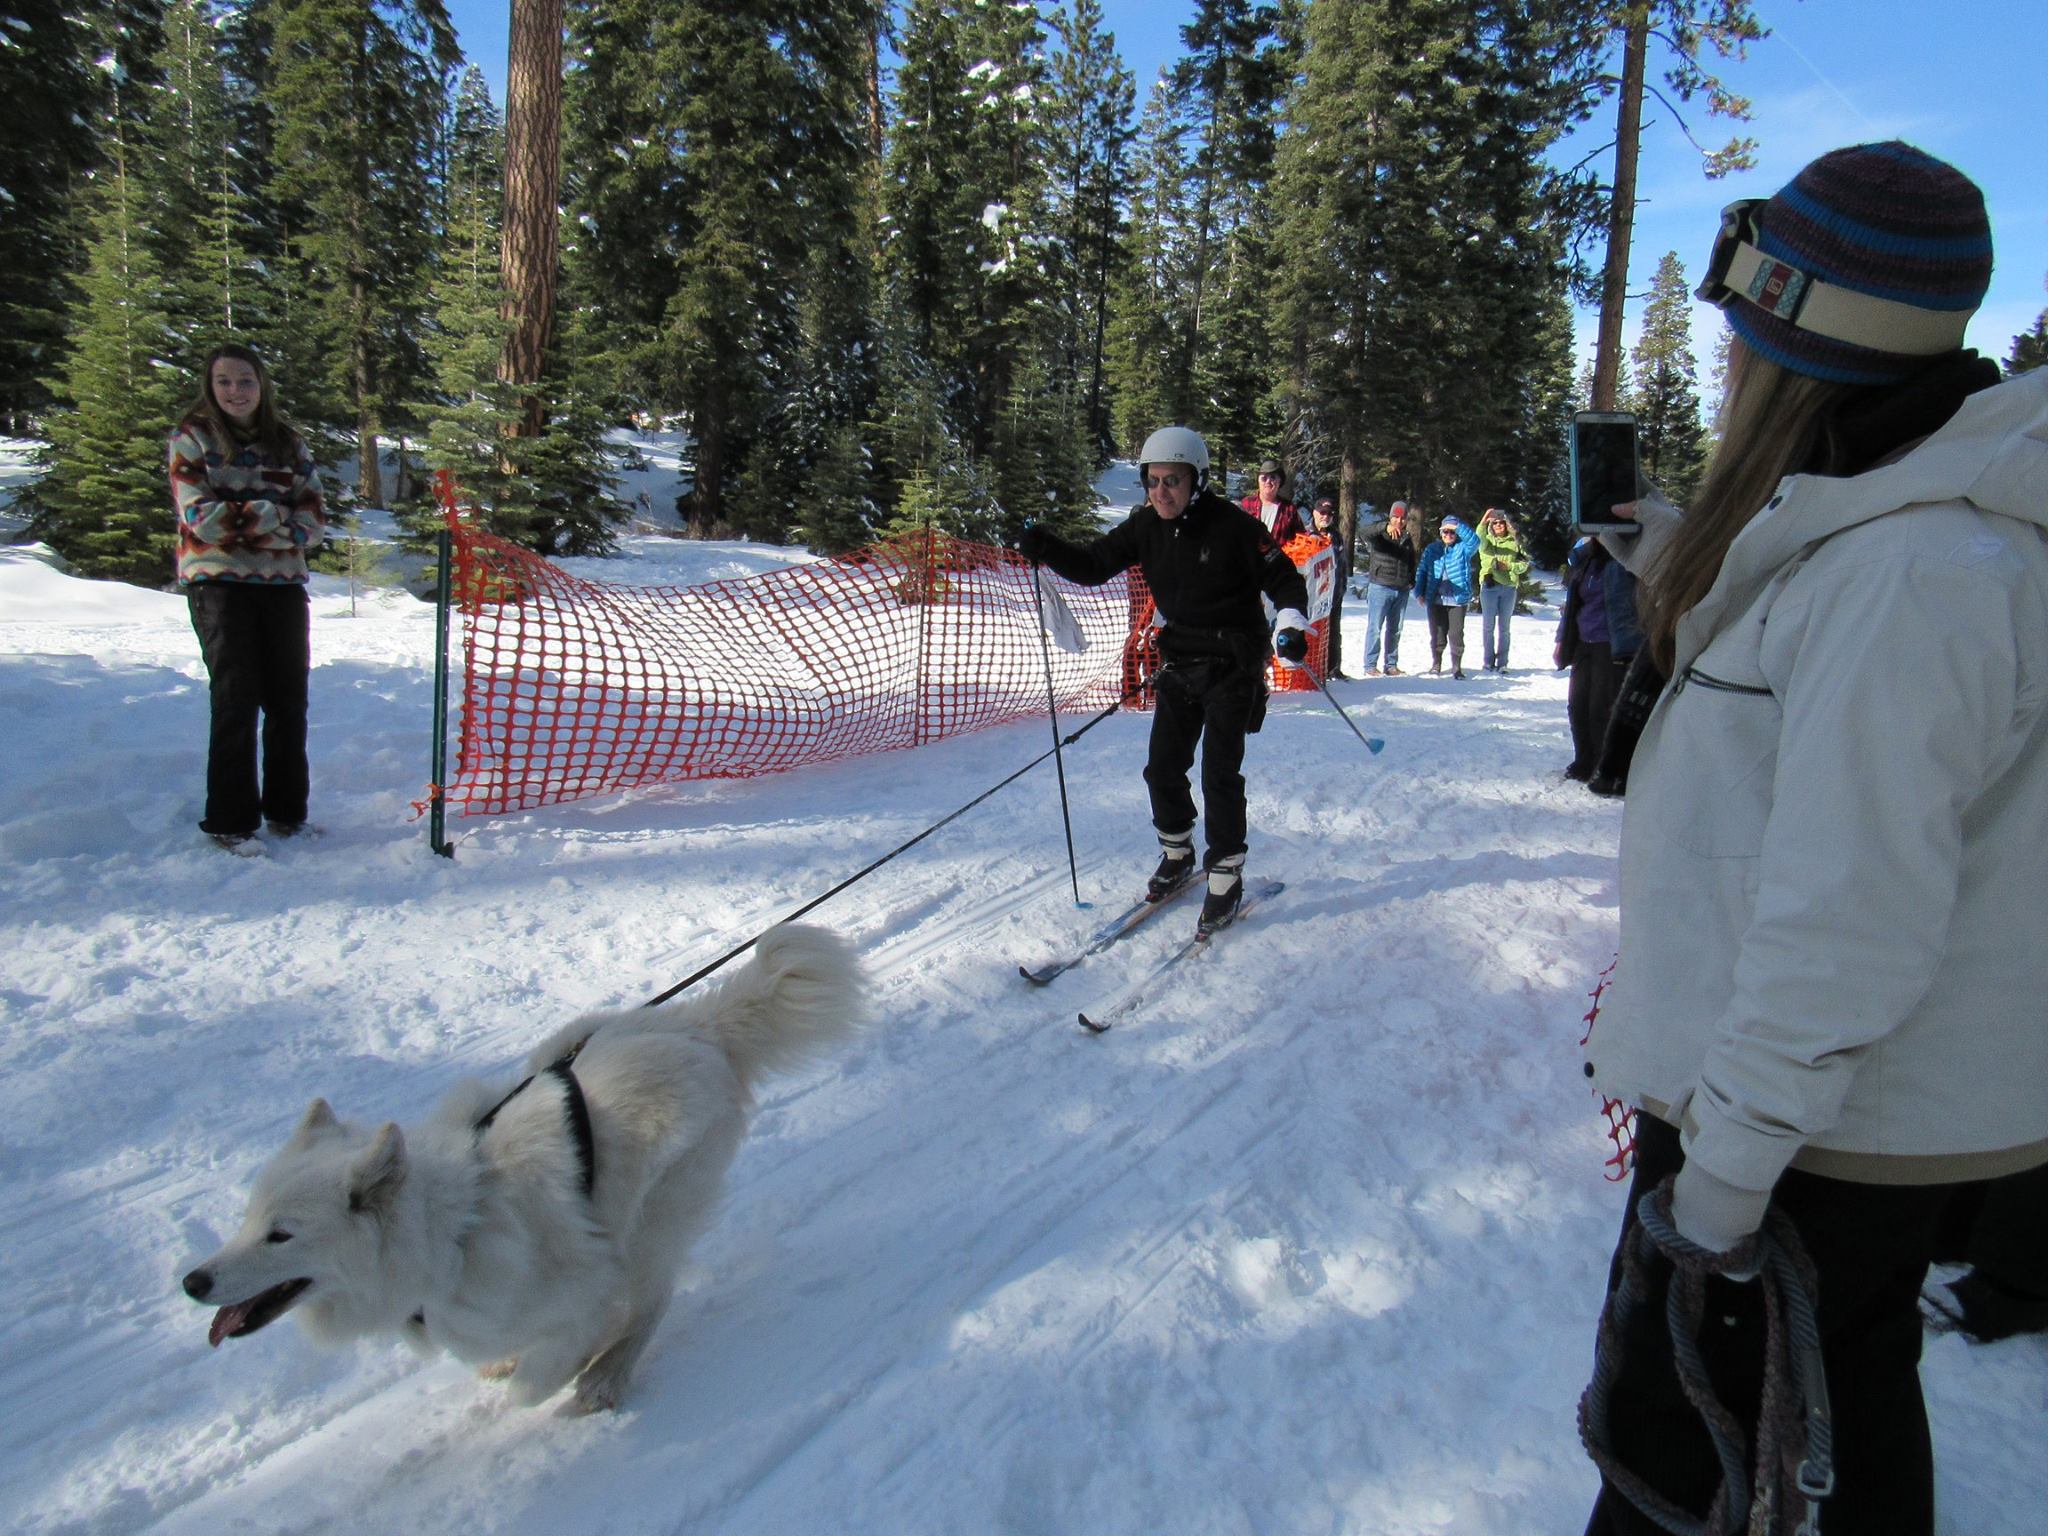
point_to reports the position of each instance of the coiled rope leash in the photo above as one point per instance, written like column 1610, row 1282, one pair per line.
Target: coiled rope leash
column 1794, row 1461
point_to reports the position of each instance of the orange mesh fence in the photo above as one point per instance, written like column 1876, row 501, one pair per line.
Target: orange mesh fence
column 573, row 688
column 1319, row 572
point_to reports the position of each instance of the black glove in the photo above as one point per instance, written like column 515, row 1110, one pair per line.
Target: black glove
column 1291, row 645
column 1035, row 543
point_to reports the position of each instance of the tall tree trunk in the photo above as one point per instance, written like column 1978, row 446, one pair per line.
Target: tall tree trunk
column 707, row 489
column 1347, row 499
column 874, row 74
column 1621, row 221
column 533, row 194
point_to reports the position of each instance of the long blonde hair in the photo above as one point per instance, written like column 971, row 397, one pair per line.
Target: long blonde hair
column 1774, row 423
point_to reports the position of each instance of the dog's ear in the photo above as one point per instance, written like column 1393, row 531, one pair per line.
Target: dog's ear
column 318, row 1118
column 374, row 1178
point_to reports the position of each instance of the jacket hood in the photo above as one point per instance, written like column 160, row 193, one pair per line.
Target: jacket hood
column 1992, row 454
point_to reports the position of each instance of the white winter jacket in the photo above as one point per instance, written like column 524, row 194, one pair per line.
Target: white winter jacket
column 1834, row 861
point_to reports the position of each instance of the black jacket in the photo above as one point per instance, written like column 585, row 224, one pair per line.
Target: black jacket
column 1207, row 569
column 1389, row 562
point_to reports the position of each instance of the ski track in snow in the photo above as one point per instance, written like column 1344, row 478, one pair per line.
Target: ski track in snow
column 1313, row 1242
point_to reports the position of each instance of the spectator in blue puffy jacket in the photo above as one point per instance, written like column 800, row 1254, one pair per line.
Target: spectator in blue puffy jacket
column 1445, row 581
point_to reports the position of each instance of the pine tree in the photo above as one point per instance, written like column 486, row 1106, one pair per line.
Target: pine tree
column 1089, row 129
column 2030, row 348
column 469, row 410
column 1666, row 396
column 553, row 491
column 1717, row 381
column 47, row 81
column 975, row 245
column 202, row 227
column 1418, row 258
column 1541, row 487
column 809, row 472
column 356, row 94
column 1148, row 385
column 1232, row 82
column 715, row 144
column 1687, row 28
column 103, row 503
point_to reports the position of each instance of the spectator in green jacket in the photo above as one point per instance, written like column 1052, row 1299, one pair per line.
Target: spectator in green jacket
column 1502, row 565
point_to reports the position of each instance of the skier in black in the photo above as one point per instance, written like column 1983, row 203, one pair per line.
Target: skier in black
column 1207, row 564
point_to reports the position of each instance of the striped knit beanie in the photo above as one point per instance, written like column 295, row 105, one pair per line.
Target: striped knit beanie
column 1881, row 219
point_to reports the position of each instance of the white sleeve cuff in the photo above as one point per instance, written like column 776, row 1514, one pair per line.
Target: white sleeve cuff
column 1289, row 618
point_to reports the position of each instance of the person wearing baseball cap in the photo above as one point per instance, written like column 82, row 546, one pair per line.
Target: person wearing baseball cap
column 1391, row 551
column 1323, row 522
column 1827, row 1010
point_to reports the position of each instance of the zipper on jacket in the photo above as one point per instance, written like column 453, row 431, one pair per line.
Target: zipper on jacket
column 1708, row 680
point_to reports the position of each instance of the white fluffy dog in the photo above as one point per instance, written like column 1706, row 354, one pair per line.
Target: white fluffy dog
column 537, row 1234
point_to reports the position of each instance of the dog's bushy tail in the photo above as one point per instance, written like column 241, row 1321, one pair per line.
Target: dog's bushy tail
column 801, row 992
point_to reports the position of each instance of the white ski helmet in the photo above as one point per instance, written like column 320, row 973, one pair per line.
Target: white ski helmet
column 1177, row 445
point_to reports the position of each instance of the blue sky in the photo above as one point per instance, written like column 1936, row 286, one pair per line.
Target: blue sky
column 1960, row 79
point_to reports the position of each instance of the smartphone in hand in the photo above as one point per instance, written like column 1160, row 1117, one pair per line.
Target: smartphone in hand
column 1604, row 469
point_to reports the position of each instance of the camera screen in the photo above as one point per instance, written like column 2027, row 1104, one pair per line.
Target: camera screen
column 1606, row 473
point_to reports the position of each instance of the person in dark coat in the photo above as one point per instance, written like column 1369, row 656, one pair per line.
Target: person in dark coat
column 1208, row 566
column 1635, row 691
column 1585, row 646
column 1390, row 559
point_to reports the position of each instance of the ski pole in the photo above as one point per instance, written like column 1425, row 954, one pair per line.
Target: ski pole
column 818, row 901
column 1058, row 758
column 1372, row 743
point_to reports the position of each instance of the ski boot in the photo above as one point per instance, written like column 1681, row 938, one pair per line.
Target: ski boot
column 1176, row 865
column 1226, row 890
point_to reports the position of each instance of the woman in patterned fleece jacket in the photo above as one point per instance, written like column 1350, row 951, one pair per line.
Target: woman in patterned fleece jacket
column 249, row 508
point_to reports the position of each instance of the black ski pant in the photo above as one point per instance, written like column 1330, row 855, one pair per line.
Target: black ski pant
column 1216, row 701
column 1447, row 623
column 1589, row 700
column 1871, row 1245
column 255, row 639
column 1999, row 1227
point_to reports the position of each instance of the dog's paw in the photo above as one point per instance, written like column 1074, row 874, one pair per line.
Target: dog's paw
column 497, row 1370
column 589, row 1398
column 594, row 1393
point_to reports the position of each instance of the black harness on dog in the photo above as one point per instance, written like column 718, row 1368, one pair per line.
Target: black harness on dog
column 579, row 1113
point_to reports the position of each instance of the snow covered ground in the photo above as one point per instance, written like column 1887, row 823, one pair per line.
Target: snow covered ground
column 1314, row 1245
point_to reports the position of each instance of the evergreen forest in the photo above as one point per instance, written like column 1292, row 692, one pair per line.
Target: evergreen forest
column 884, row 265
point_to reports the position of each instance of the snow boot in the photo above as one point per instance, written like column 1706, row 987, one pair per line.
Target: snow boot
column 1981, row 1309
column 1226, row 890
column 1176, row 864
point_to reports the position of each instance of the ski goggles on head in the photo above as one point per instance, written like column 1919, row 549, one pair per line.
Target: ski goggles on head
column 1739, row 270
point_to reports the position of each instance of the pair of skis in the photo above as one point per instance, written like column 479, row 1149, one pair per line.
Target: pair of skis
column 1126, row 1001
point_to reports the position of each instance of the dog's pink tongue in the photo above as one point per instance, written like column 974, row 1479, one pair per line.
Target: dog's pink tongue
column 226, row 1321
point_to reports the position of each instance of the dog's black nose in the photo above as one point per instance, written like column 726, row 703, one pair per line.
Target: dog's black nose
column 198, row 1284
